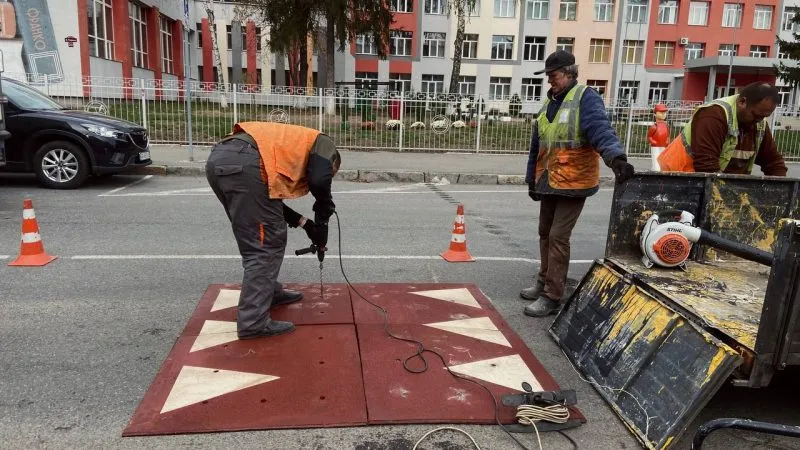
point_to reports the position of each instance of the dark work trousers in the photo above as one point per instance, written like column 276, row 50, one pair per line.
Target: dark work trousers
column 557, row 217
column 233, row 170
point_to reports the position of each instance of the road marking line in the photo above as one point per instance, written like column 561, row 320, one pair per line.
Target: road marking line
column 291, row 256
column 134, row 183
column 4, row 256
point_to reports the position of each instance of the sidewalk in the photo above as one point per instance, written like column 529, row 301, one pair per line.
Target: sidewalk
column 409, row 167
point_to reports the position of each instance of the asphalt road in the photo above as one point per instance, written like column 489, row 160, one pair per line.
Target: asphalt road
column 82, row 338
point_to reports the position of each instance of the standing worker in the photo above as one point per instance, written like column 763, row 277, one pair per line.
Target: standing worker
column 252, row 171
column 563, row 169
column 729, row 135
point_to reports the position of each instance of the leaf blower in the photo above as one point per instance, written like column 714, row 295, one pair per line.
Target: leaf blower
column 668, row 236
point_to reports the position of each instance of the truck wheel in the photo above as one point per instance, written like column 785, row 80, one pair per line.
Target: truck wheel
column 61, row 165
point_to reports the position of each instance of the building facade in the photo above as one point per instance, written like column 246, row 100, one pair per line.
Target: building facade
column 632, row 50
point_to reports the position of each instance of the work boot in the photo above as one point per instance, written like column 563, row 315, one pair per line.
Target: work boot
column 532, row 293
column 542, row 307
column 273, row 328
column 286, row 296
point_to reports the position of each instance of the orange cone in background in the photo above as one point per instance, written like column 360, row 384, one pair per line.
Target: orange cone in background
column 32, row 249
column 458, row 243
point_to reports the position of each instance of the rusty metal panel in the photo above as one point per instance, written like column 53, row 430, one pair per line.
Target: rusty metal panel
column 778, row 341
column 653, row 366
column 746, row 210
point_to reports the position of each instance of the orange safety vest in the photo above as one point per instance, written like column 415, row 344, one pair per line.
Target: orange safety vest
column 571, row 163
column 284, row 151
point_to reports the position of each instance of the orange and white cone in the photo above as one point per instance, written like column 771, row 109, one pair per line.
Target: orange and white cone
column 32, row 249
column 458, row 243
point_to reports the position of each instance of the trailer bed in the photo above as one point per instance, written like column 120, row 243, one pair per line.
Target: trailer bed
column 725, row 295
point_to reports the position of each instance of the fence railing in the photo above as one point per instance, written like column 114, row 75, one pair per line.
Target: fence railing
column 357, row 119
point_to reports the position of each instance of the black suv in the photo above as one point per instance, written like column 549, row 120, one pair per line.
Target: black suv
column 63, row 147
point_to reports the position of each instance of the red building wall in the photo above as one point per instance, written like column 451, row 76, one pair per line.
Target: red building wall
column 402, row 22
column 695, row 84
column 713, row 34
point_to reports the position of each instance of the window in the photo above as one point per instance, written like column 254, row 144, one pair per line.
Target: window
column 229, row 31
column 499, row 88
column 598, row 85
column 782, row 55
column 698, row 13
column 568, row 10
column 365, row 45
column 138, row 35
column 401, row 82
column 434, row 6
column 432, row 84
column 694, row 50
column 599, row 50
column 366, row 80
column 101, row 29
column 785, row 93
column 728, row 49
column 475, row 10
column 732, row 15
column 759, row 51
column 668, row 12
column 637, row 11
column 505, row 8
column 400, row 43
column 628, row 90
column 632, row 52
column 466, row 85
column 502, row 47
column 658, row 92
column 167, row 61
column 535, row 48
column 258, row 40
column 402, row 6
column 199, row 35
column 664, row 53
column 433, row 45
column 469, row 48
column 565, row 43
column 531, row 89
column 538, row 9
column 788, row 15
column 762, row 17
column 603, row 10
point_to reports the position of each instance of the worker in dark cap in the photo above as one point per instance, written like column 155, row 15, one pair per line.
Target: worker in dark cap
column 252, row 171
column 570, row 135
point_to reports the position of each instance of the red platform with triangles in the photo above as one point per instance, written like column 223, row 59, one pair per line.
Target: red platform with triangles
column 340, row 367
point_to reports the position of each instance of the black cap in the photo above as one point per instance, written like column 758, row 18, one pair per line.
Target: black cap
column 557, row 60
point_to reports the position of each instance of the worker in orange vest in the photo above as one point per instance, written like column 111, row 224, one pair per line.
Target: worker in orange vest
column 729, row 135
column 252, row 171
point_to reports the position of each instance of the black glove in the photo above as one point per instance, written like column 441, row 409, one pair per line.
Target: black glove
column 310, row 227
column 320, row 236
column 623, row 170
column 532, row 192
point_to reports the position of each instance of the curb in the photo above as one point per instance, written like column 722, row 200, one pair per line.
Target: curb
column 372, row 176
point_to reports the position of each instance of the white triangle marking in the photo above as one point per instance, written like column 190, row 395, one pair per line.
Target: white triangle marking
column 509, row 371
column 196, row 384
column 227, row 298
column 462, row 296
column 479, row 328
column 213, row 333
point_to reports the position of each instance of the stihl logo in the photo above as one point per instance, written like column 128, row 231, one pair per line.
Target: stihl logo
column 674, row 230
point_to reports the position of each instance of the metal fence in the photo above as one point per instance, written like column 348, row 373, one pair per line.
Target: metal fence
column 358, row 119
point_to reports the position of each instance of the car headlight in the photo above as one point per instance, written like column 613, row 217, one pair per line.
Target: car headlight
column 104, row 131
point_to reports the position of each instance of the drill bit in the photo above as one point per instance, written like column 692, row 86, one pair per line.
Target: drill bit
column 321, row 293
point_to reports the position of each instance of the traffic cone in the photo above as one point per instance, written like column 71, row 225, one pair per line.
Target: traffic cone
column 32, row 249
column 458, row 243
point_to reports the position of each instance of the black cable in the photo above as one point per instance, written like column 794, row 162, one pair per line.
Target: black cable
column 420, row 353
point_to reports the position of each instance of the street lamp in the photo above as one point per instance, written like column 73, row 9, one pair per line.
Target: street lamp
column 733, row 50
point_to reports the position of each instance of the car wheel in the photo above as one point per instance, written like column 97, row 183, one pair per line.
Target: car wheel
column 61, row 165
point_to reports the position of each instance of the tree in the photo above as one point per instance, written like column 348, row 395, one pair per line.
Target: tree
column 790, row 73
column 460, row 7
column 212, row 26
